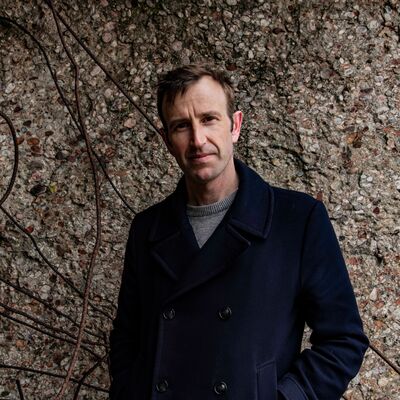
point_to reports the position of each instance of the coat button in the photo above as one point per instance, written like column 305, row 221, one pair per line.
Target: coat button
column 225, row 313
column 220, row 387
column 162, row 386
column 170, row 314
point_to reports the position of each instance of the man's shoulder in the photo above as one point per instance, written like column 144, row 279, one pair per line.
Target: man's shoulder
column 285, row 194
column 148, row 214
column 145, row 219
column 282, row 197
column 295, row 200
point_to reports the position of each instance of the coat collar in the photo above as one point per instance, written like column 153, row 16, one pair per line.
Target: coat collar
column 251, row 210
column 174, row 245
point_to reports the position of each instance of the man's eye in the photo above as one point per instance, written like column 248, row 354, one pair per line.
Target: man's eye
column 182, row 125
column 209, row 118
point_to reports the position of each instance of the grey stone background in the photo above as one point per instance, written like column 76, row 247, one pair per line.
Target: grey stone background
column 318, row 82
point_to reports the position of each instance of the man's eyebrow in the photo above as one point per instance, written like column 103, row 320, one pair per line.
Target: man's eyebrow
column 211, row 112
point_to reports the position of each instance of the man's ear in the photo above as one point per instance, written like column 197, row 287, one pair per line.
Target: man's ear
column 237, row 119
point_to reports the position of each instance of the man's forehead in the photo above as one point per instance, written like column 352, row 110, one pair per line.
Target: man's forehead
column 205, row 92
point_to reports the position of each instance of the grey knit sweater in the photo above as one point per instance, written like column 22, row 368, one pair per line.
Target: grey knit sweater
column 205, row 219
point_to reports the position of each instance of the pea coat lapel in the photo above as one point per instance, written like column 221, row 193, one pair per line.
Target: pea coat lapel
column 174, row 246
column 172, row 239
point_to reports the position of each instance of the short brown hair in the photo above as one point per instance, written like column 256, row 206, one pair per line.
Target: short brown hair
column 178, row 80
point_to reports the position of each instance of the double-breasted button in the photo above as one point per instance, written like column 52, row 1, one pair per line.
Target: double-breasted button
column 220, row 387
column 162, row 386
column 225, row 313
column 169, row 314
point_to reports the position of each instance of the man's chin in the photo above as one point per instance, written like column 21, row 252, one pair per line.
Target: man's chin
column 202, row 175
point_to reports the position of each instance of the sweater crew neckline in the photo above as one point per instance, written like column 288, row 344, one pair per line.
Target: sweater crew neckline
column 211, row 209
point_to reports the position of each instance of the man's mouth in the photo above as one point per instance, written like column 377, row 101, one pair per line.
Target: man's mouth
column 198, row 156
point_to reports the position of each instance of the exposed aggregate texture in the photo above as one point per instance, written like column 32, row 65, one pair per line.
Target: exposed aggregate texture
column 318, row 82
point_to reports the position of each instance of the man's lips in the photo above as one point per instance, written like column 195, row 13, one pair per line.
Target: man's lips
column 199, row 159
column 198, row 156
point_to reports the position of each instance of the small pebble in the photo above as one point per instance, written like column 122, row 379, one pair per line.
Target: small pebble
column 107, row 37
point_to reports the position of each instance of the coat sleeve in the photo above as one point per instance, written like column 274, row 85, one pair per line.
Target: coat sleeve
column 124, row 337
column 338, row 343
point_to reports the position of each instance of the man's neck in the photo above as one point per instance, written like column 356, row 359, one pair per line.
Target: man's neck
column 215, row 190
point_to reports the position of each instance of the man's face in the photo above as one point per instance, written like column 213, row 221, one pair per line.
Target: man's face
column 200, row 133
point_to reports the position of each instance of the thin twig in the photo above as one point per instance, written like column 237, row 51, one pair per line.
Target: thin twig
column 98, row 213
column 54, row 269
column 50, row 334
column 7, row 20
column 50, row 307
column 86, row 374
column 52, row 374
column 45, row 325
column 20, row 392
column 16, row 158
column 380, row 354
column 108, row 74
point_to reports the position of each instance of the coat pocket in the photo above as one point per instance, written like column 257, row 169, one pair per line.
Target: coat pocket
column 267, row 381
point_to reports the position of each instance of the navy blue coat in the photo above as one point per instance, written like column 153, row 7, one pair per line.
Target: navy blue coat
column 226, row 321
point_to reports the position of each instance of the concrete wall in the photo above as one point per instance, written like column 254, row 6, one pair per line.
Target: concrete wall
column 318, row 85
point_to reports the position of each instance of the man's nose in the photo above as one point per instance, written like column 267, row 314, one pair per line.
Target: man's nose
column 198, row 135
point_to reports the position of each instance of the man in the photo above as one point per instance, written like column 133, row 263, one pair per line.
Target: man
column 220, row 277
